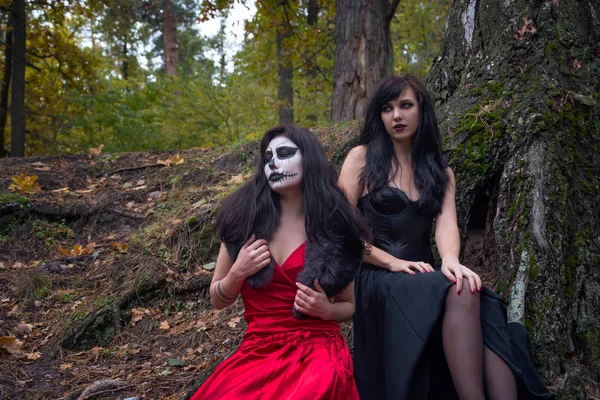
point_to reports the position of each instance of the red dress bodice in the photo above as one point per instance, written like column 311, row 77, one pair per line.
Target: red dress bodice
column 268, row 310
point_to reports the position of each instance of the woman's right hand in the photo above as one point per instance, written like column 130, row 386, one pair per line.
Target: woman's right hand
column 253, row 256
column 398, row 265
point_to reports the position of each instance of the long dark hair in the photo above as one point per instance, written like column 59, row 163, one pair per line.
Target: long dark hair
column 255, row 208
column 428, row 162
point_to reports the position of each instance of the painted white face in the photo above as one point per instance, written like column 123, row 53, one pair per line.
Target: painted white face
column 283, row 163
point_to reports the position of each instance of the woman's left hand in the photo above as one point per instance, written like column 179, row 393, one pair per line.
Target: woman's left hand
column 313, row 302
column 455, row 272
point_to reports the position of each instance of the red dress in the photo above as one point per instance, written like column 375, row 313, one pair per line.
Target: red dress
column 282, row 357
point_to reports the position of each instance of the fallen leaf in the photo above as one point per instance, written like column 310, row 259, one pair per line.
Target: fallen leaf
column 25, row 183
column 233, row 322
column 15, row 310
column 33, row 356
column 237, row 179
column 526, row 27
column 95, row 151
column 176, row 362
column 120, row 247
column 78, row 249
column 10, row 345
column 137, row 314
column 171, row 161
column 66, row 366
column 164, row 325
column 210, row 266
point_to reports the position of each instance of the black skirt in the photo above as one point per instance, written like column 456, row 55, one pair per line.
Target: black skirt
column 398, row 351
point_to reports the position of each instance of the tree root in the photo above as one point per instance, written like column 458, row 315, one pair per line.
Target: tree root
column 113, row 311
column 116, row 171
column 102, row 388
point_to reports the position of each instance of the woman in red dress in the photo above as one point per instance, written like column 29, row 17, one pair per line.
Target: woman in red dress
column 292, row 245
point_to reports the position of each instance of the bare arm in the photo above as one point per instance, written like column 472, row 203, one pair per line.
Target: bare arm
column 350, row 182
column 229, row 277
column 447, row 238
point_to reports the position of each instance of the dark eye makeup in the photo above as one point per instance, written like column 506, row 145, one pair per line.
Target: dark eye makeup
column 268, row 156
column 284, row 152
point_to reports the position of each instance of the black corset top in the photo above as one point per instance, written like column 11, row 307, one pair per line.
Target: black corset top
column 399, row 227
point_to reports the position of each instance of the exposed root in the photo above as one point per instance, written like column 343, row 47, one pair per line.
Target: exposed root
column 113, row 312
column 103, row 388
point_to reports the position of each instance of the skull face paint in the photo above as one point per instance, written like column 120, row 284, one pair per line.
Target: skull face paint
column 283, row 163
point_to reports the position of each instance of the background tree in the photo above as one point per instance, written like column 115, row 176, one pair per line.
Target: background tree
column 170, row 35
column 6, row 76
column 363, row 53
column 17, row 119
column 516, row 86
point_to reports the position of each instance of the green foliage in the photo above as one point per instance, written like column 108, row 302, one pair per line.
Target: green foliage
column 417, row 31
column 95, row 71
column 50, row 232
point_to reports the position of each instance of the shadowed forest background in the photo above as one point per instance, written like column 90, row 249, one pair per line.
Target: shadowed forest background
column 122, row 128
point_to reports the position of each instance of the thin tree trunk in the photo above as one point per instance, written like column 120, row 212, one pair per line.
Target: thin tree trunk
column 170, row 35
column 363, row 53
column 6, row 84
column 516, row 88
column 285, row 92
column 125, row 64
column 17, row 117
column 312, row 17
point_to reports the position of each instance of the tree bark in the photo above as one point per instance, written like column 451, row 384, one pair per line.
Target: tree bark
column 312, row 17
column 170, row 34
column 17, row 117
column 285, row 93
column 516, row 89
column 6, row 83
column 363, row 53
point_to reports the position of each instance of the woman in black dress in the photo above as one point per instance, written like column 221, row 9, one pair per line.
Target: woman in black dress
column 416, row 336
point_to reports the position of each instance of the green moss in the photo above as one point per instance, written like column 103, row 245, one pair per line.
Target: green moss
column 8, row 198
column 494, row 88
column 534, row 270
column 51, row 232
column 42, row 292
column 511, row 209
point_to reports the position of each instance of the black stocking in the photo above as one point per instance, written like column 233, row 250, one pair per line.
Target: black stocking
column 463, row 345
column 499, row 379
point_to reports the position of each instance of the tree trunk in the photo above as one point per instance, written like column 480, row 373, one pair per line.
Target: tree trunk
column 170, row 34
column 517, row 86
column 312, row 17
column 125, row 63
column 17, row 117
column 285, row 93
column 363, row 53
column 6, row 83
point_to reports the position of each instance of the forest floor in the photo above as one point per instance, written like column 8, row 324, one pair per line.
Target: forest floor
column 104, row 271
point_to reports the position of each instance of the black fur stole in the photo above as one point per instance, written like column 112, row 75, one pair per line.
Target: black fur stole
column 333, row 260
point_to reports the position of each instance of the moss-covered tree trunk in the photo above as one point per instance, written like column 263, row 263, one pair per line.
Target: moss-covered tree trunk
column 517, row 86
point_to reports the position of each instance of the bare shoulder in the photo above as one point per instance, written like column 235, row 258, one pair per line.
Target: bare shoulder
column 450, row 175
column 357, row 155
